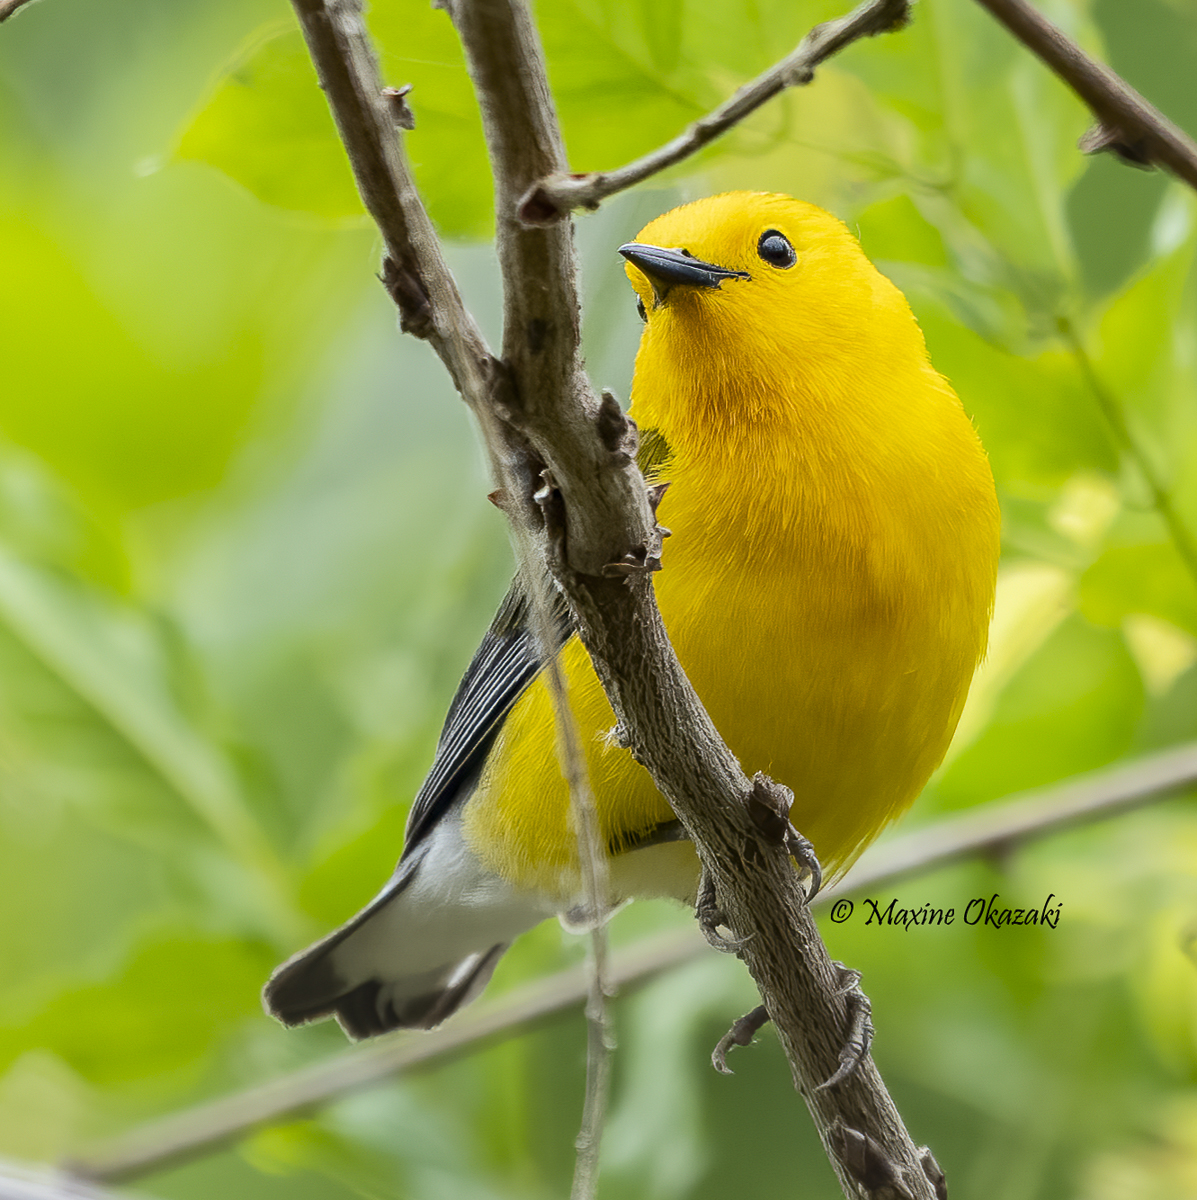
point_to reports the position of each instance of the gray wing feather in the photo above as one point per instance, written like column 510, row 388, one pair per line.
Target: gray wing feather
column 310, row 985
column 506, row 662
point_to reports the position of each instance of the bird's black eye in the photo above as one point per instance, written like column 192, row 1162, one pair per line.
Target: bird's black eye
column 776, row 250
column 640, row 309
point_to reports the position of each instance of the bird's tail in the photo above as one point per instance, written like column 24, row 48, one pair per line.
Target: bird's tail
column 309, row 987
column 426, row 945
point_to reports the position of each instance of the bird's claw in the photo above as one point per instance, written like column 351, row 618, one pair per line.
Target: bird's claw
column 803, row 853
column 769, row 804
column 710, row 916
column 740, row 1034
column 856, row 1044
column 860, row 1027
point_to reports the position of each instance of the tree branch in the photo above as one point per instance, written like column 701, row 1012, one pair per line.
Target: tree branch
column 998, row 826
column 23, row 1183
column 549, row 394
column 1127, row 125
column 601, row 542
column 580, row 507
column 550, row 405
column 554, row 196
column 193, row 1131
column 414, row 270
column 1003, row 824
column 9, row 7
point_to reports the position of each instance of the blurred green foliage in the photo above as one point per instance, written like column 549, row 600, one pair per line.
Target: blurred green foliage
column 245, row 552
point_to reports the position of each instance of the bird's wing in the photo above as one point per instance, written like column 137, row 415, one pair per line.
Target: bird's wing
column 654, row 457
column 506, row 662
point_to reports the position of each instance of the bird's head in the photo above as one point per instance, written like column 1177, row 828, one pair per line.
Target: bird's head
column 757, row 304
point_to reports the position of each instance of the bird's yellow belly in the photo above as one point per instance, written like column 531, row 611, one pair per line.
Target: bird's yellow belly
column 849, row 699
column 825, row 677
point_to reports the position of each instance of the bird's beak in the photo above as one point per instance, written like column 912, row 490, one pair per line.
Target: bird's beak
column 672, row 268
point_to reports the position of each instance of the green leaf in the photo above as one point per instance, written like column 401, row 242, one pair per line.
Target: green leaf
column 1072, row 707
column 1108, row 187
column 121, row 424
column 614, row 100
column 1142, row 358
column 113, row 661
column 419, row 46
column 1140, row 579
column 172, row 1002
column 266, row 124
column 997, row 141
column 1035, row 416
column 44, row 522
column 895, row 229
column 662, row 24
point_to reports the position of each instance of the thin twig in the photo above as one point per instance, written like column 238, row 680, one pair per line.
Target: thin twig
column 1127, row 124
column 193, row 1131
column 1112, row 411
column 554, row 196
column 596, row 905
column 9, row 7
column 600, row 1045
column 414, row 268
column 998, row 826
column 18, row 1182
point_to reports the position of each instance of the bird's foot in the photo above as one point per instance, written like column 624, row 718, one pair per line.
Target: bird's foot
column 740, row 1034
column 710, row 916
column 769, row 804
column 803, row 853
column 860, row 1026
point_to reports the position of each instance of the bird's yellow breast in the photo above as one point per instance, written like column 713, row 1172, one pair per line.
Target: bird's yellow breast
column 829, row 580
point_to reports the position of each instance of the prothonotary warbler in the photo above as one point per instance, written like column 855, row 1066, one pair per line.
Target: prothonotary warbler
column 827, row 587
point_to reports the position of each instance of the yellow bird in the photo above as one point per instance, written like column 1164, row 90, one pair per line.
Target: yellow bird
column 827, row 588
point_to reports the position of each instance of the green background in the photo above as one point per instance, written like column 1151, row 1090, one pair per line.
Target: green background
column 245, row 553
